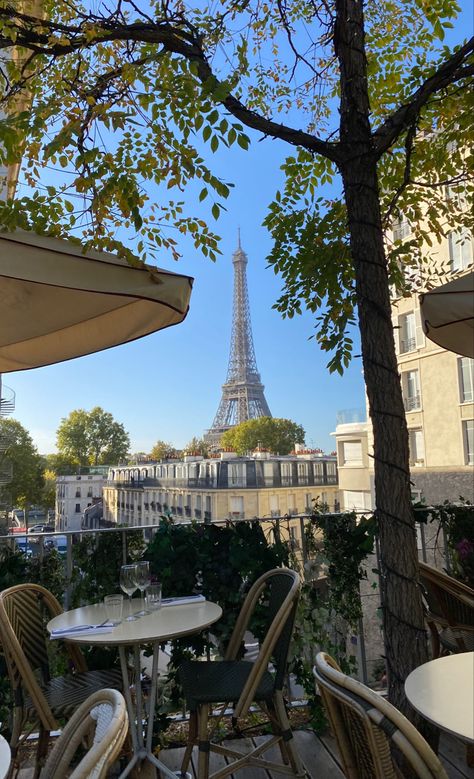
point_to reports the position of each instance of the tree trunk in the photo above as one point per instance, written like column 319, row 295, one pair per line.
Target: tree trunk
column 404, row 633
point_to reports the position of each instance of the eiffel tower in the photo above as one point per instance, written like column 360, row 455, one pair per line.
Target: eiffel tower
column 242, row 393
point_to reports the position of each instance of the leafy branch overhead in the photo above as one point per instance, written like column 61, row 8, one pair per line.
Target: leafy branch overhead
column 124, row 101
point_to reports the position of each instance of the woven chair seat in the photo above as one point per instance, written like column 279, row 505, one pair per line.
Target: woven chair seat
column 216, row 682
column 448, row 637
column 65, row 693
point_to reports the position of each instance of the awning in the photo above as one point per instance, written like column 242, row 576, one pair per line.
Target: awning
column 447, row 315
column 57, row 303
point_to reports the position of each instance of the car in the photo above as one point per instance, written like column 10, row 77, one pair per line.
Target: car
column 23, row 546
column 42, row 528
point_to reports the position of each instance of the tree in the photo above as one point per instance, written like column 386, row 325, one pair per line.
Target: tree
column 384, row 108
column 61, row 465
column 197, row 445
column 48, row 493
column 92, row 437
column 162, row 450
column 21, row 464
column 277, row 435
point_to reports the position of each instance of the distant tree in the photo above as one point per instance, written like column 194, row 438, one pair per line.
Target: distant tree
column 47, row 498
column 197, row 445
column 277, row 435
column 20, row 458
column 92, row 437
column 60, row 464
column 162, row 450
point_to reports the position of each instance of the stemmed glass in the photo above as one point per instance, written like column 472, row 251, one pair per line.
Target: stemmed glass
column 143, row 580
column 128, row 583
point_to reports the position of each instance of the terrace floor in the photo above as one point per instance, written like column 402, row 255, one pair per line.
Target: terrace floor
column 320, row 757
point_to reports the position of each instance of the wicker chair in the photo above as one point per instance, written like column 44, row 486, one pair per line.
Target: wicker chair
column 101, row 720
column 241, row 682
column 450, row 613
column 39, row 700
column 366, row 727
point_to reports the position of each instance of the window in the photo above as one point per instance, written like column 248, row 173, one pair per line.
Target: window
column 410, row 332
column 302, row 473
column 78, row 508
column 468, row 435
column 401, row 228
column 352, row 453
column 286, row 474
column 411, row 390
column 235, row 475
column 78, row 493
column 417, row 446
column 236, row 506
column 460, row 249
column 274, row 506
column 466, row 379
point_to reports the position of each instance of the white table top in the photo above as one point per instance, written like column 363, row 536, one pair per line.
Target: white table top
column 161, row 625
column 4, row 757
column 443, row 692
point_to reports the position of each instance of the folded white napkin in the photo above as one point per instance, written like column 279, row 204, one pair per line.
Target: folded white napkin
column 104, row 627
column 183, row 600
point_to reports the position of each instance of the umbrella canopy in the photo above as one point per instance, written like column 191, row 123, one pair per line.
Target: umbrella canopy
column 57, row 303
column 447, row 315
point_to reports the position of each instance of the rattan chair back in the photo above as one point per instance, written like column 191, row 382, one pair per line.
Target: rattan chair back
column 279, row 590
column 450, row 614
column 101, row 720
column 367, row 728
column 24, row 610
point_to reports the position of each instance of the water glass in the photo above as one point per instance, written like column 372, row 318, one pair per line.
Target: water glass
column 153, row 597
column 113, row 608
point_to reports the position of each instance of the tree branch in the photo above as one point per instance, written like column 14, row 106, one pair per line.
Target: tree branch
column 176, row 38
column 454, row 69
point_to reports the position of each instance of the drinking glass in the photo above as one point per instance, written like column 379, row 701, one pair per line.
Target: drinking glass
column 142, row 579
column 128, row 583
column 113, row 608
column 153, row 597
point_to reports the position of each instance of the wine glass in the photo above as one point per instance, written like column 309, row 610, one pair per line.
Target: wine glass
column 128, row 583
column 143, row 580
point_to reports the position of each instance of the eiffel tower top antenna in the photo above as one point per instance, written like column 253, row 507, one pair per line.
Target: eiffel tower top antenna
column 243, row 392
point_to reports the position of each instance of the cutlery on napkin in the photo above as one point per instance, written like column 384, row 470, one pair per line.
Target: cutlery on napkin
column 103, row 627
column 182, row 600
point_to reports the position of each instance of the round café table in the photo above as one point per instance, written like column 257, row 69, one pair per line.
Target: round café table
column 443, row 692
column 4, row 757
column 154, row 628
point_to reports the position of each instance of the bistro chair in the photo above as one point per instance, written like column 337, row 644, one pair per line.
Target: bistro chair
column 40, row 701
column 102, row 721
column 238, row 683
column 450, row 611
column 366, row 727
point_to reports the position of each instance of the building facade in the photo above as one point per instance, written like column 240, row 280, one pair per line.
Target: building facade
column 74, row 494
column 438, row 395
column 220, row 488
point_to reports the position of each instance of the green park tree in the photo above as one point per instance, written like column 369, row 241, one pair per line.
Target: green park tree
column 376, row 109
column 277, row 435
column 162, row 450
column 21, row 464
column 198, row 445
column 60, row 464
column 92, row 438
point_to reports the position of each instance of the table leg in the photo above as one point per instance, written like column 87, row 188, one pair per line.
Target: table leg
column 135, row 714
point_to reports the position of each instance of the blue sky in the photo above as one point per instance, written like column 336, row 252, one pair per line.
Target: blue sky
column 168, row 385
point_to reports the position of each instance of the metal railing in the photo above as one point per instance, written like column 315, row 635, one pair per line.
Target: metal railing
column 432, row 549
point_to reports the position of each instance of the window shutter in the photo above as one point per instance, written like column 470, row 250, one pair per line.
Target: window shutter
column 419, row 334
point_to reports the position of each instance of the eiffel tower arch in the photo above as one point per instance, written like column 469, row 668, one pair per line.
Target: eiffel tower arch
column 243, row 392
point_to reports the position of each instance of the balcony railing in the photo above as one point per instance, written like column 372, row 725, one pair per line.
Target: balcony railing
column 407, row 345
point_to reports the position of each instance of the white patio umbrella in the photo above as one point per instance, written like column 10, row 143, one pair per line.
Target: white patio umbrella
column 447, row 315
column 57, row 303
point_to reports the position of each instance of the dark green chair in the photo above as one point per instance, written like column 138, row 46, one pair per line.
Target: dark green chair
column 239, row 683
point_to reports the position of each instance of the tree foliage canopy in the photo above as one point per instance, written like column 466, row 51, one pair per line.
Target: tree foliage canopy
column 21, row 464
column 92, row 437
column 125, row 100
column 162, row 450
column 276, row 435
